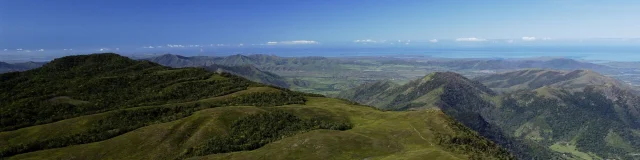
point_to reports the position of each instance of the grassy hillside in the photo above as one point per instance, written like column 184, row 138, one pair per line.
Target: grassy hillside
column 105, row 106
column 374, row 134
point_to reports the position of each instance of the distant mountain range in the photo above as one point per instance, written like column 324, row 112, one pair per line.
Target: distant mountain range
column 330, row 76
column 533, row 79
column 510, row 64
column 9, row 67
column 542, row 114
column 269, row 61
column 233, row 65
column 258, row 60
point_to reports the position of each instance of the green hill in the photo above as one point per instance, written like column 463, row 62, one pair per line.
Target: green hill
column 549, row 114
column 594, row 115
column 461, row 98
column 105, row 106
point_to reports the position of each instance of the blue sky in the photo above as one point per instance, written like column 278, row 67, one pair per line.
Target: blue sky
column 88, row 23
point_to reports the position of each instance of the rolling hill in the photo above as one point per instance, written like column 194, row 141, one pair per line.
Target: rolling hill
column 105, row 106
column 577, row 115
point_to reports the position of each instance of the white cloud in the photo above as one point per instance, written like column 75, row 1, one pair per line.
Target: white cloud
column 528, row 38
column 510, row 41
column 471, row 39
column 296, row 42
column 546, row 38
column 434, row 41
column 175, row 46
column 365, row 41
column 41, row 50
column 6, row 49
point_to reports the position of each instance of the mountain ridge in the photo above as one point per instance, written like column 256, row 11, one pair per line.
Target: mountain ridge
column 457, row 96
column 531, row 79
column 544, row 120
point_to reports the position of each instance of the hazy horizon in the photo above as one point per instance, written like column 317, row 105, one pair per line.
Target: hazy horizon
column 581, row 29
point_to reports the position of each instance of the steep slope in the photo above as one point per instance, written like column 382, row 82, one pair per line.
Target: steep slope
column 105, row 106
column 594, row 115
column 422, row 93
column 583, row 124
column 580, row 114
column 462, row 99
column 370, row 93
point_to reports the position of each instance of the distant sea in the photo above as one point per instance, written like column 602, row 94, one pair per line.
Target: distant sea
column 587, row 53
